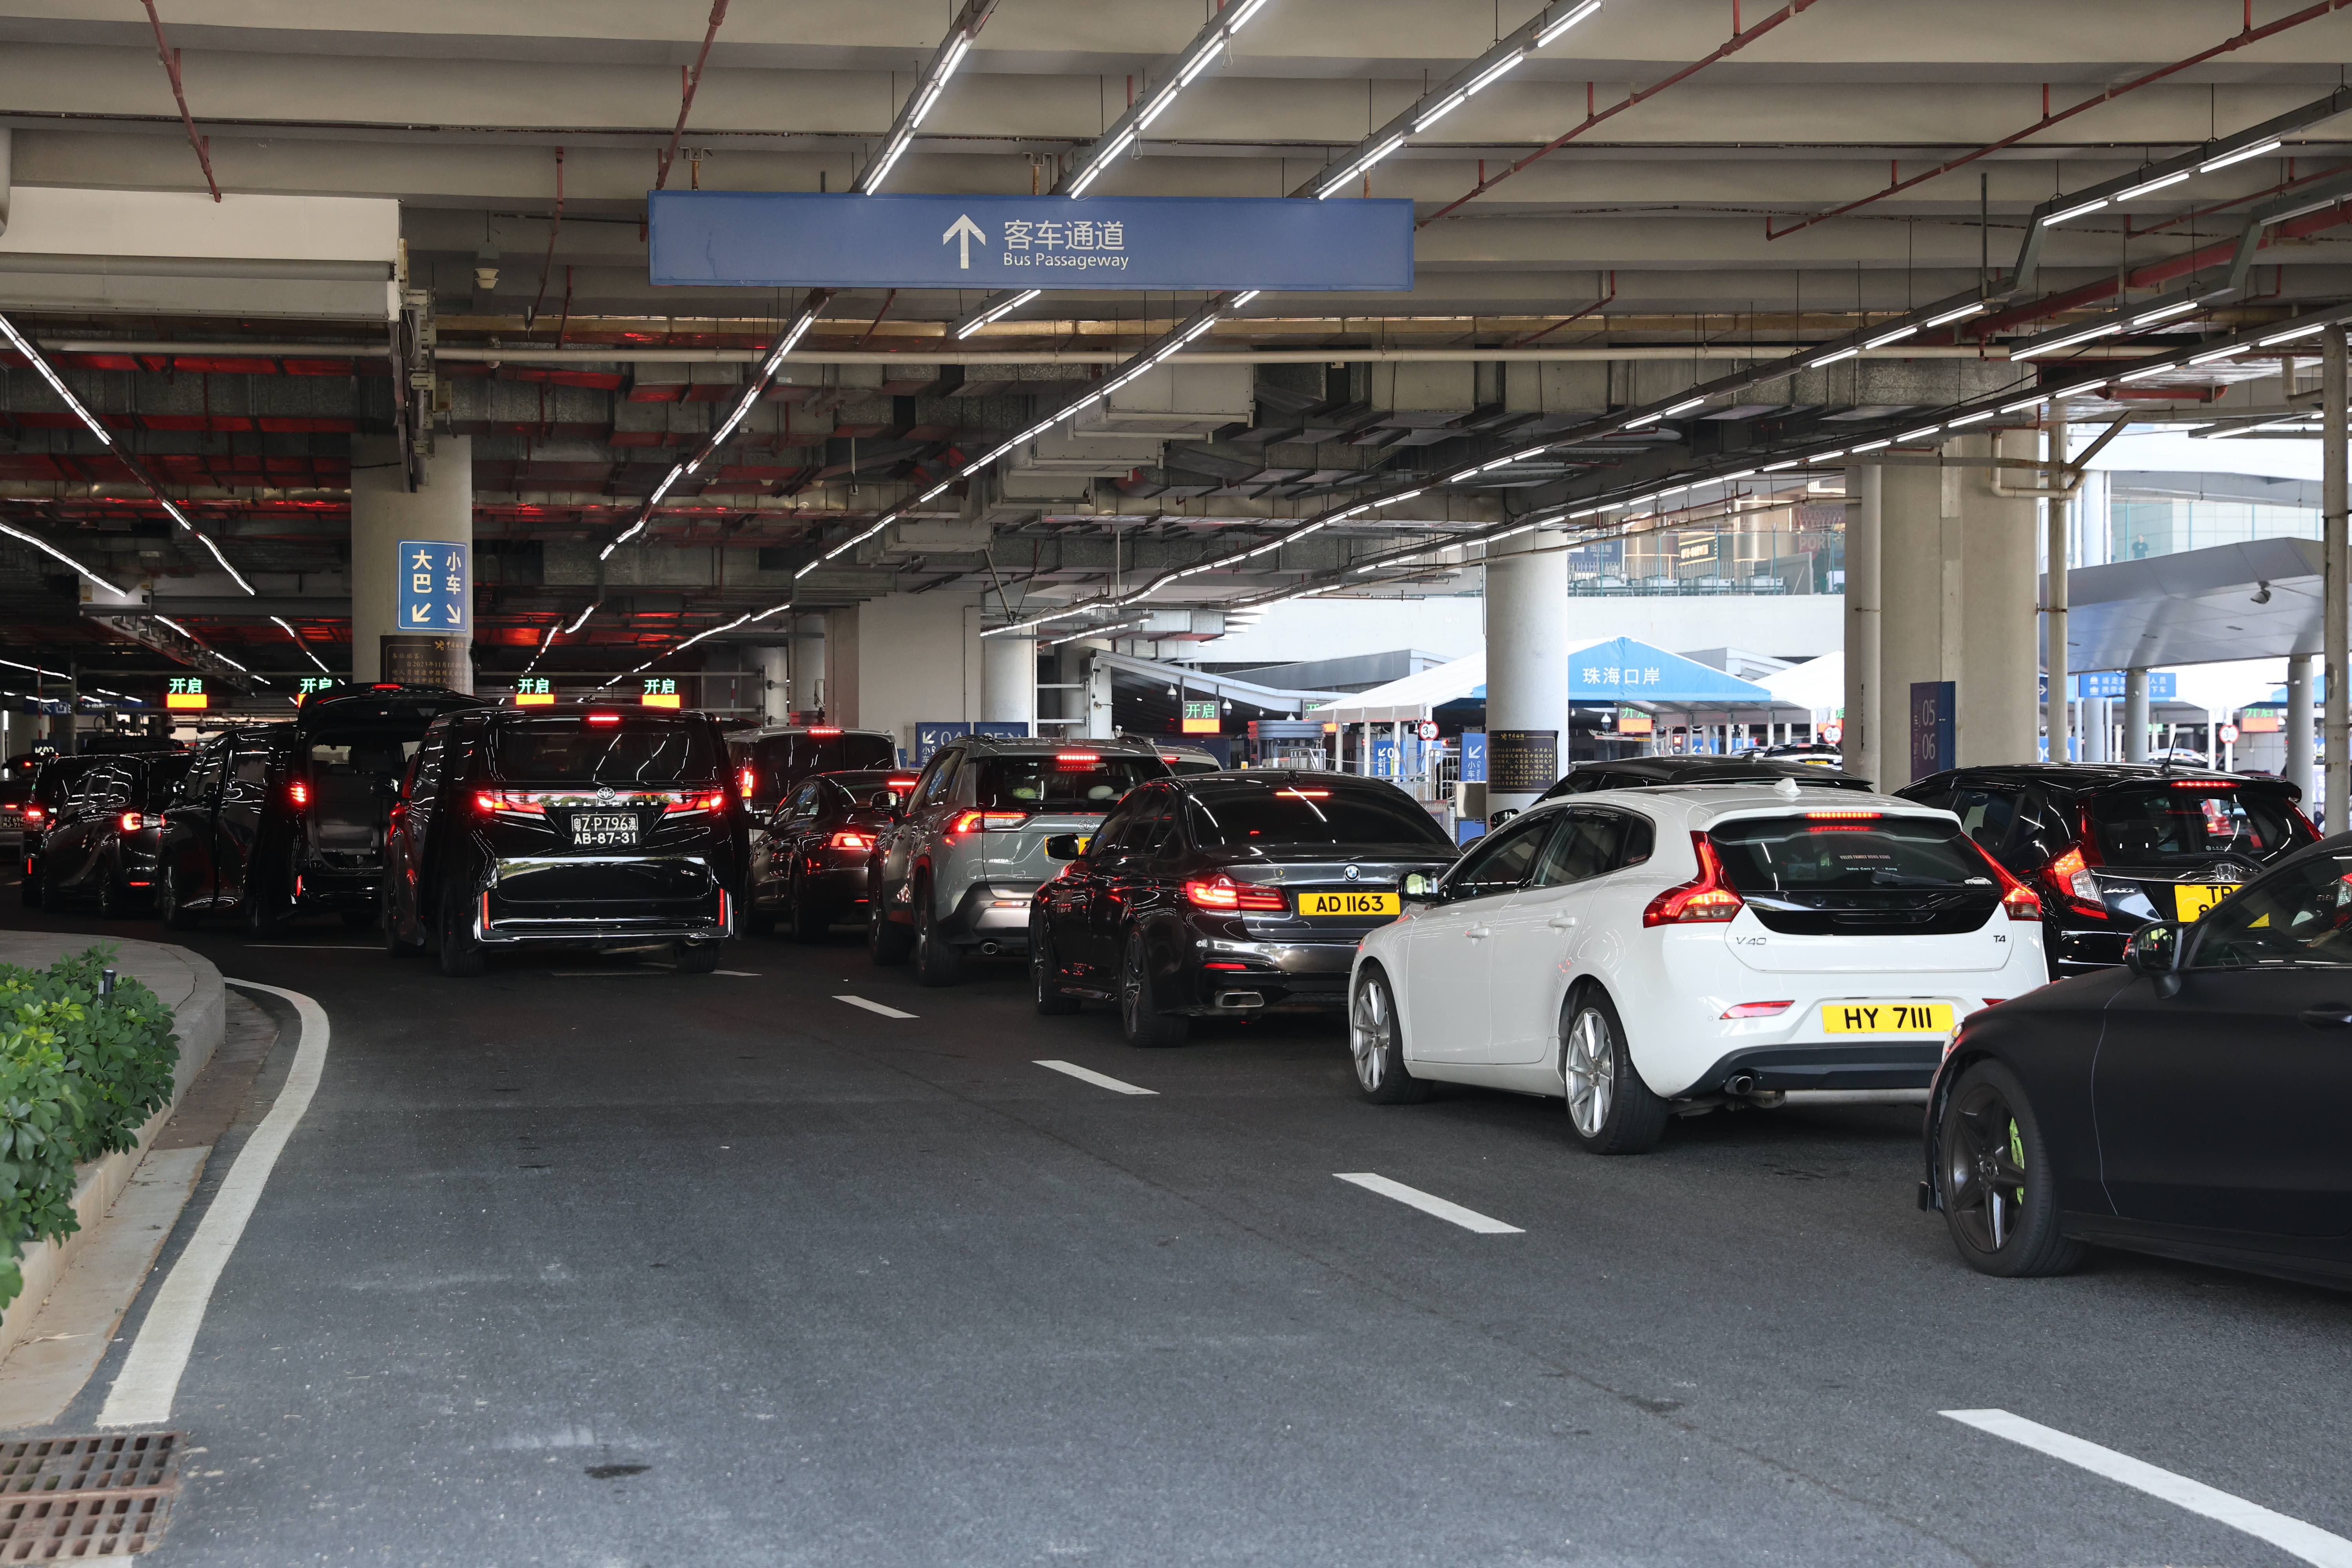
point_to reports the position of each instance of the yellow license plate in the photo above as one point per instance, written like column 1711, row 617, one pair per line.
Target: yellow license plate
column 2190, row 903
column 1887, row 1017
column 1348, row 906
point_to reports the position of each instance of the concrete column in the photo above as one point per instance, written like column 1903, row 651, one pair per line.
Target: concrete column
column 776, row 684
column 2054, row 662
column 2336, row 553
column 1996, row 721
column 1526, row 653
column 2096, row 723
column 903, row 658
column 1097, row 694
column 383, row 514
column 1864, row 698
column 1008, row 680
column 2136, row 715
column 2298, row 725
column 1915, row 582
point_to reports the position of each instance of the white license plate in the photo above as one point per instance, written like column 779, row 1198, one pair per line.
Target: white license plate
column 604, row 829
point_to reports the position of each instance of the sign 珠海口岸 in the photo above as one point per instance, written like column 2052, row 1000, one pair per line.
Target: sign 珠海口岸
column 767, row 239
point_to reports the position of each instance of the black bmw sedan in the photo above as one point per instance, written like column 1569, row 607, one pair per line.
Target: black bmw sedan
column 1226, row 893
column 809, row 855
column 2188, row 1103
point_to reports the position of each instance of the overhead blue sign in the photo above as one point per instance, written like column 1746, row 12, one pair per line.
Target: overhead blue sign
column 433, row 581
column 2163, row 686
column 768, row 239
column 931, row 734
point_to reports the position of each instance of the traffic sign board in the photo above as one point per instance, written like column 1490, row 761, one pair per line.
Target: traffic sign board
column 781, row 238
column 1428, row 729
column 2229, row 734
column 434, row 575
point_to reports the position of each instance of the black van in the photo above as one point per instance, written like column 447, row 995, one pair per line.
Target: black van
column 53, row 779
column 592, row 828
column 100, row 843
column 770, row 761
column 274, row 821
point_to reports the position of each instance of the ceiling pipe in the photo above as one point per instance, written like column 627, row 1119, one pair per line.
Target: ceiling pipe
column 6, row 137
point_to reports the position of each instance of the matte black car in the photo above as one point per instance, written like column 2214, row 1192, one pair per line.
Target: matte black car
column 1639, row 773
column 2111, row 846
column 589, row 827
column 770, row 762
column 810, row 855
column 51, row 781
column 1226, row 893
column 100, row 847
column 280, row 820
column 2189, row 1103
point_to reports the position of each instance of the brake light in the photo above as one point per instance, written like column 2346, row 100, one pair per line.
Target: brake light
column 1758, row 1009
column 978, row 821
column 513, row 802
column 2204, row 783
column 1704, row 897
column 31, row 813
column 603, row 718
column 902, row 785
column 750, row 778
column 298, row 793
column 1843, row 815
column 1226, row 894
column 1306, row 794
column 715, row 801
column 1076, row 759
column 1170, row 757
column 2071, row 875
column 133, row 822
column 2018, row 901
column 824, row 729
column 852, row 841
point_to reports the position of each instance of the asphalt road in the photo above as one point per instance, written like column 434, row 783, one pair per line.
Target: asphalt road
column 586, row 1262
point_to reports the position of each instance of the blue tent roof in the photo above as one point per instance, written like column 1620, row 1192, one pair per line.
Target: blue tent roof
column 1624, row 671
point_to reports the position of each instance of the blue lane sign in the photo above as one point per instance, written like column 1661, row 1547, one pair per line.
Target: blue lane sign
column 433, row 577
column 768, row 239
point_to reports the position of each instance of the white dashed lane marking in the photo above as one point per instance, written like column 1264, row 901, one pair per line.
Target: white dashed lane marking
column 2292, row 1536
column 873, row 1006
column 1428, row 1202
column 1100, row 1080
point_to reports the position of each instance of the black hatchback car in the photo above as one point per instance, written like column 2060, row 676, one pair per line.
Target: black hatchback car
column 52, row 781
column 100, row 847
column 594, row 828
column 2112, row 847
column 1226, row 893
column 809, row 855
column 2189, row 1103
column 279, row 820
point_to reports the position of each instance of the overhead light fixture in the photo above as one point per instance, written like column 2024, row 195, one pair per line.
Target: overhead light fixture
column 2159, row 183
column 1978, row 417
column 2164, row 313
column 2149, row 373
column 1896, row 336
column 2071, row 340
column 1159, row 106
column 1915, row 434
column 2240, row 155
column 1453, row 101
column 297, row 636
column 1340, row 179
column 45, row 548
column 2074, row 212
column 1684, row 407
column 1640, row 420
column 998, row 313
column 41, row 366
column 1959, row 313
column 2022, row 404
column 1742, row 474
column 1244, row 298
column 1783, row 463
column 2209, row 355
column 1871, row 446
column 1392, row 500
column 2289, row 335
column 1833, row 357
column 889, row 161
column 1493, row 73
column 1551, row 30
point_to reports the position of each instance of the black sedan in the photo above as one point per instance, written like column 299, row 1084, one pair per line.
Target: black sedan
column 809, row 855
column 1226, row 893
column 1751, row 767
column 2189, row 1103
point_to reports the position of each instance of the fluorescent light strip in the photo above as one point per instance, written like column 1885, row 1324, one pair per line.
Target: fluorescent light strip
column 1158, row 107
column 322, row 663
column 1453, row 101
column 2149, row 373
column 2074, row 212
column 2164, row 313
column 1871, row 446
column 1896, row 336
column 1783, row 463
column 24, row 346
column 2209, row 355
column 1464, row 474
column 2159, row 183
column 45, row 548
column 1978, row 417
column 2022, row 404
column 1915, row 434
column 1833, row 358
column 2290, row 334
column 2239, row 156
column 1553, row 30
column 1391, row 501
column 1961, row 313
column 1495, row 73
column 1244, row 298
column 1644, row 419
column 2071, row 340
column 1361, row 165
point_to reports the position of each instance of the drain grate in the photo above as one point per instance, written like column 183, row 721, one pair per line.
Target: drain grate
column 85, row 1497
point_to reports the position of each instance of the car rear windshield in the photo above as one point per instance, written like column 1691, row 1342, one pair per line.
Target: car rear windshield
column 371, row 753
column 2189, row 821
column 1831, row 851
column 1236, row 817
column 574, row 751
column 797, row 756
column 1070, row 781
column 161, row 776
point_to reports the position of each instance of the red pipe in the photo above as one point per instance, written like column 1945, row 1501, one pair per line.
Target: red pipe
column 548, row 266
column 685, row 95
column 1564, row 320
column 2280, row 189
column 2251, row 35
column 1737, row 42
column 170, row 58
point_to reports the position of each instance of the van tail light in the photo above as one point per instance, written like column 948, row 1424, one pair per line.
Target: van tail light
column 1224, row 895
column 132, row 821
column 716, row 800
column 490, row 802
column 298, row 793
column 2070, row 873
column 847, row 840
column 1702, row 899
column 486, row 909
column 603, row 718
column 749, row 780
column 983, row 821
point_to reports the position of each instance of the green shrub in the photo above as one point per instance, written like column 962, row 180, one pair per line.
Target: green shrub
column 78, row 1077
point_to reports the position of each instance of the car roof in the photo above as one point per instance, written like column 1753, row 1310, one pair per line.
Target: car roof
column 1286, row 777
column 2083, row 775
column 1045, row 743
column 1672, row 767
column 1701, row 803
column 828, row 730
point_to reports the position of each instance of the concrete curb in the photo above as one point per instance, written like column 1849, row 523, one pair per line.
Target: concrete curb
column 189, row 984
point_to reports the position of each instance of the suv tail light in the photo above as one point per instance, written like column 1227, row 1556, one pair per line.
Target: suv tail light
column 847, row 840
column 132, row 821
column 1704, row 897
column 1225, row 895
column 297, row 792
column 979, row 821
column 2071, row 875
column 2018, row 901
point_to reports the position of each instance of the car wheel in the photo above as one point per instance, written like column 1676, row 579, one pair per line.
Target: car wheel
column 808, row 924
column 885, row 941
column 111, row 897
column 1993, row 1172
column 1139, row 1002
column 1376, row 1039
column 697, row 957
column 1611, row 1111
column 1045, row 974
column 936, row 962
column 388, row 921
column 175, row 915
column 461, row 952
column 29, row 889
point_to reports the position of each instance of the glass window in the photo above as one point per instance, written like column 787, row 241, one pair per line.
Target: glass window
column 251, row 765
column 159, row 776
column 804, row 802
column 1985, row 813
column 1592, row 843
column 935, row 785
column 632, row 753
column 2189, row 821
column 1232, row 816
column 1846, row 852
column 2041, row 833
column 1500, row 861
column 1069, row 781
column 204, row 776
column 2301, row 917
column 1113, row 832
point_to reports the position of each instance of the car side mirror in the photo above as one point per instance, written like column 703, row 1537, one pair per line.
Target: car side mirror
column 1417, row 886
column 886, row 800
column 2154, row 949
column 1064, row 847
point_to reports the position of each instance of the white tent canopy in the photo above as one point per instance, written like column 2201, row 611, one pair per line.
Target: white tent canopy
column 1817, row 685
column 1409, row 697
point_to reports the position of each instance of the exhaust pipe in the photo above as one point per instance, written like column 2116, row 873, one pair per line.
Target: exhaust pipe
column 989, row 949
column 1233, row 999
column 1740, row 1083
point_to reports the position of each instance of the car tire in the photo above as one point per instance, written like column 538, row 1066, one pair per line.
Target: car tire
column 29, row 889
column 175, row 915
column 1043, row 970
column 462, row 955
column 807, row 924
column 388, row 921
column 937, row 963
column 1991, row 1166
column 1376, row 1041
column 1610, row 1109
column 697, row 957
column 1139, row 1017
column 111, row 898
column 886, row 942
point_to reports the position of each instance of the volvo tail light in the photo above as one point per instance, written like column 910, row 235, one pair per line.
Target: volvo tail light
column 1226, row 896
column 1758, row 1009
column 132, row 821
column 847, row 840
column 1704, row 897
column 825, row 730
column 979, row 821
column 2071, row 875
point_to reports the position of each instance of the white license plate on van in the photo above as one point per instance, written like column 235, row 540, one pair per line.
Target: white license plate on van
column 604, row 829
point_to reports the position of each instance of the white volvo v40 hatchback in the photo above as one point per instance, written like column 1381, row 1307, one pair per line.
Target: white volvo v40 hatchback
column 1644, row 953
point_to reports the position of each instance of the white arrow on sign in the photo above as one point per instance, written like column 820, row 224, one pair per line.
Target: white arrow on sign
column 456, row 615
column 417, row 613
column 963, row 231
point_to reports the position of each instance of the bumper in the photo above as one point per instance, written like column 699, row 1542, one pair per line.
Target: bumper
column 836, row 887
column 1224, row 975
column 2082, row 950
column 337, row 887
column 1879, row 1065
column 987, row 915
column 602, row 902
